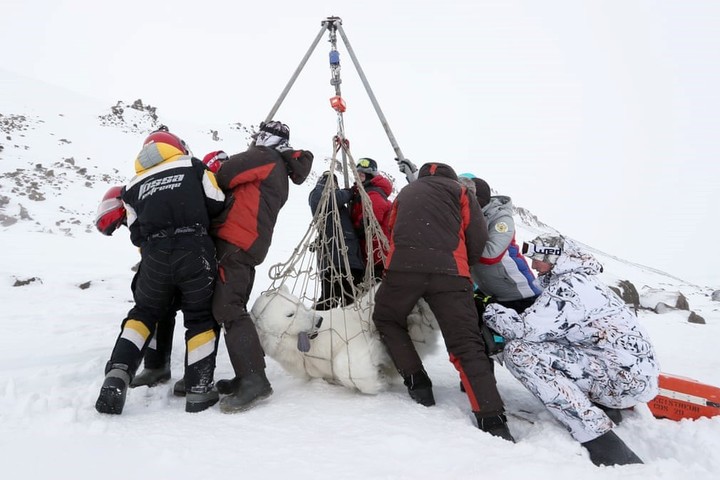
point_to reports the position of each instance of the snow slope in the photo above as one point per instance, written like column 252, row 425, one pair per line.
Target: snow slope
column 59, row 332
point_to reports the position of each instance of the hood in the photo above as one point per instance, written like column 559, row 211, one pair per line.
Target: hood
column 498, row 203
column 437, row 170
column 572, row 259
column 383, row 183
column 154, row 154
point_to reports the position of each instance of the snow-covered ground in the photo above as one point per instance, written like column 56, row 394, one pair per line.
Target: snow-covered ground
column 59, row 332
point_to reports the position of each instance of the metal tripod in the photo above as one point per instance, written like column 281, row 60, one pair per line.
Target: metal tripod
column 333, row 25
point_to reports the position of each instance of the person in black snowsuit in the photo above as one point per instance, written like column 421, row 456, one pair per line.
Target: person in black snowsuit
column 158, row 353
column 169, row 205
column 337, row 283
column 112, row 215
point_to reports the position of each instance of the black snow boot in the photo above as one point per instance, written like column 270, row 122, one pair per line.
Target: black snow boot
column 179, row 388
column 228, row 386
column 419, row 387
column 251, row 389
column 200, row 398
column 609, row 449
column 151, row 377
column 112, row 392
column 495, row 425
column 615, row 414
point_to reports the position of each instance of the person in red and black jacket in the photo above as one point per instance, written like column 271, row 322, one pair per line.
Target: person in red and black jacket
column 256, row 182
column 436, row 232
column 378, row 189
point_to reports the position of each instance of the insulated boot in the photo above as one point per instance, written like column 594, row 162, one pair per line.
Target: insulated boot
column 179, row 388
column 609, row 449
column 615, row 414
column 250, row 390
column 495, row 425
column 200, row 398
column 112, row 392
column 227, row 386
column 420, row 387
column 151, row 377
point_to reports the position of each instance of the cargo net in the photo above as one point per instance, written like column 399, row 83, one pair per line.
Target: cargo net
column 319, row 282
column 319, row 271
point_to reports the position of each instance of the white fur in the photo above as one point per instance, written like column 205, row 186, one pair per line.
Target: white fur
column 347, row 349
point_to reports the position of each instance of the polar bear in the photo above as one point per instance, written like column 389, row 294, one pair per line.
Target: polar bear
column 340, row 345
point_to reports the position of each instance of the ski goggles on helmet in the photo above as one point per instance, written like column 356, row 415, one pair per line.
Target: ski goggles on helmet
column 543, row 253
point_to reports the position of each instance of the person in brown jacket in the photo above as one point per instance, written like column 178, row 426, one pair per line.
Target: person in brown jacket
column 437, row 231
column 256, row 181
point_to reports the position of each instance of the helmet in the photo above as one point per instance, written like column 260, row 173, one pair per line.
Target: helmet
column 213, row 160
column 368, row 166
column 276, row 128
column 163, row 136
column 111, row 212
column 544, row 248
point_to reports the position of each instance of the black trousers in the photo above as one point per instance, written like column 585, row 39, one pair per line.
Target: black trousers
column 492, row 344
column 159, row 350
column 451, row 300
column 232, row 293
column 183, row 265
column 336, row 288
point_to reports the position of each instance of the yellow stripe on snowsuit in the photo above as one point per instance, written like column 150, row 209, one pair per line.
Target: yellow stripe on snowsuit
column 200, row 346
column 211, row 188
column 135, row 332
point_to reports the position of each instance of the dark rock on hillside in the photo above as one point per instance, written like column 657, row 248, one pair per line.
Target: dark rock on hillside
column 627, row 291
column 28, row 281
column 695, row 318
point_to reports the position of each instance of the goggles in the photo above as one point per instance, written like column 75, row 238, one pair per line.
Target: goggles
column 541, row 252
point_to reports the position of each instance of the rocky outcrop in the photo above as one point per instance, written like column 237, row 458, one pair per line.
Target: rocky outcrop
column 627, row 291
column 651, row 297
column 136, row 117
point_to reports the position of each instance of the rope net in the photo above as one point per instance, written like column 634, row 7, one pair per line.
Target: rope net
column 319, row 280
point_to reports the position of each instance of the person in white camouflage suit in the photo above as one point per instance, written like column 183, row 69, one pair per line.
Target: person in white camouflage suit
column 578, row 348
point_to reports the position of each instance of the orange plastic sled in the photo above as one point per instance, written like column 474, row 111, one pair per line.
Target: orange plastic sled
column 681, row 397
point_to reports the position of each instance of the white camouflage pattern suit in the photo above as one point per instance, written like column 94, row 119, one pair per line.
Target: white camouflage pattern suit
column 577, row 345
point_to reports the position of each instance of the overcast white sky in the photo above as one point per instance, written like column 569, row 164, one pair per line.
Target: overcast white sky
column 599, row 116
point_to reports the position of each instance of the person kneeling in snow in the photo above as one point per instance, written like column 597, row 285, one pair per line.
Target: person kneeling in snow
column 578, row 348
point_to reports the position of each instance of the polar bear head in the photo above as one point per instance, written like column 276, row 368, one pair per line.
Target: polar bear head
column 279, row 314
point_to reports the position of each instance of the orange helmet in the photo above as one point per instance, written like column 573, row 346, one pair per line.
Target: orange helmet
column 111, row 212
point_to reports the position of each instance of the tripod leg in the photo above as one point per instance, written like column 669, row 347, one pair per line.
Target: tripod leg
column 289, row 85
